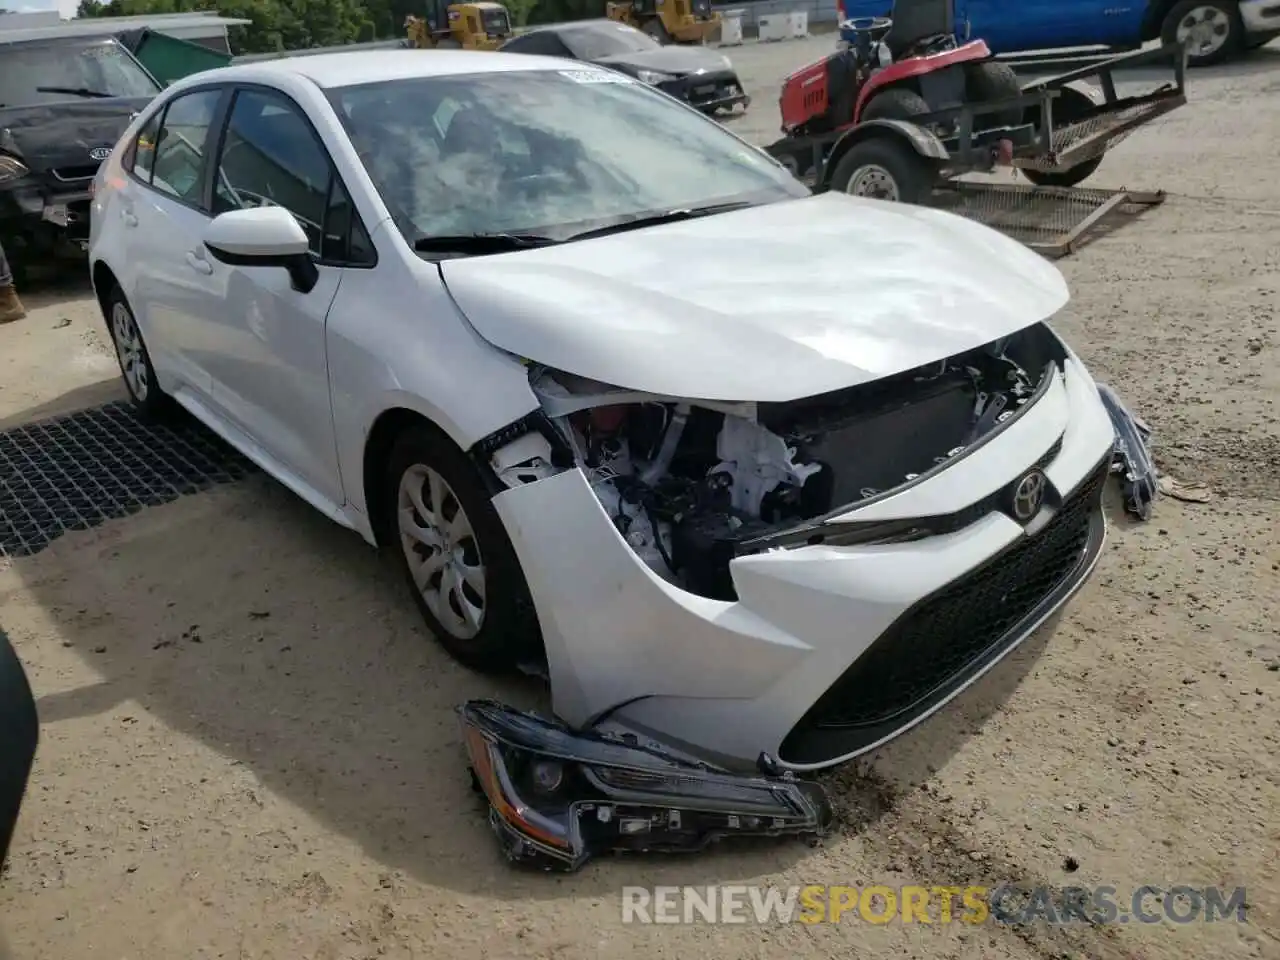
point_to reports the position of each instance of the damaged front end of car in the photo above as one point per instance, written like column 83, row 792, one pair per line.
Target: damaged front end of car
column 559, row 797
column 691, row 485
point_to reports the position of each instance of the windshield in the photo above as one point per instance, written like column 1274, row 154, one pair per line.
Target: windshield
column 100, row 66
column 606, row 40
column 549, row 152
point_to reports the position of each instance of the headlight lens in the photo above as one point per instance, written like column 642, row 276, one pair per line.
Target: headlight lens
column 557, row 797
column 11, row 168
column 653, row 77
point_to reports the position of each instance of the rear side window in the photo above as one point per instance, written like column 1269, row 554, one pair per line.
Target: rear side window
column 142, row 154
column 178, row 166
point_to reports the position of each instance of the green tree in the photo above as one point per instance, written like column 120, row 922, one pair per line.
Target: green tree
column 274, row 24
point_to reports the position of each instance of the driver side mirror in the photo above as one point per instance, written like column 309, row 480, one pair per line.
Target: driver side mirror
column 263, row 237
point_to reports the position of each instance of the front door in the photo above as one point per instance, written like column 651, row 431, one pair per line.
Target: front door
column 271, row 379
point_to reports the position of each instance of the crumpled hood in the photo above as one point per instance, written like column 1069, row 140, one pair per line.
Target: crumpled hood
column 772, row 303
column 675, row 60
column 61, row 134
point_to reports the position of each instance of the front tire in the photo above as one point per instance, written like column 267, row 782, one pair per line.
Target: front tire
column 896, row 103
column 884, row 169
column 1212, row 30
column 136, row 368
column 455, row 555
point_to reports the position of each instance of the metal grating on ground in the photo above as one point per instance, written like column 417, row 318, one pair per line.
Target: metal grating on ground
column 1053, row 221
column 80, row 470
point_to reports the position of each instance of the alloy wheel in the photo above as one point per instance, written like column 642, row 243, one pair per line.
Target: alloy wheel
column 1204, row 30
column 441, row 550
column 133, row 360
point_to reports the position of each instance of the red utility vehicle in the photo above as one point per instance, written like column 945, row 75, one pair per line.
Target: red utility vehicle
column 906, row 105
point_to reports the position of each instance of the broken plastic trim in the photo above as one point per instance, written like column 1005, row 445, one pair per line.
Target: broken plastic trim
column 827, row 529
column 1139, row 479
column 559, row 797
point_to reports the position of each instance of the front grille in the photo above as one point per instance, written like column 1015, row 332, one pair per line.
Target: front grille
column 950, row 630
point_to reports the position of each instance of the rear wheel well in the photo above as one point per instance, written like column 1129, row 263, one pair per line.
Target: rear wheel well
column 104, row 281
column 377, row 451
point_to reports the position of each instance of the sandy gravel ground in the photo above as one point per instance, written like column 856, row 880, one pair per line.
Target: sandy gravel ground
column 248, row 747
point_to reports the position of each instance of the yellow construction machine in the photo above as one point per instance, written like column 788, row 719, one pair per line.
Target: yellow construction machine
column 482, row 25
column 667, row 21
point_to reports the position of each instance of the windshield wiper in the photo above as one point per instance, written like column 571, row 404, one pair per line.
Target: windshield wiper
column 77, row 92
column 480, row 243
column 654, row 219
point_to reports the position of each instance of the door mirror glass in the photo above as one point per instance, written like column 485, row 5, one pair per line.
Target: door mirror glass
column 263, row 237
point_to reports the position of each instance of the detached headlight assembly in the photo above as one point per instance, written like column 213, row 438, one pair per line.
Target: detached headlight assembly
column 653, row 77
column 558, row 797
column 11, row 168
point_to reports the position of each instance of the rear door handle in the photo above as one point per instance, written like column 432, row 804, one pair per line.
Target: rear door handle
column 198, row 263
column 130, row 220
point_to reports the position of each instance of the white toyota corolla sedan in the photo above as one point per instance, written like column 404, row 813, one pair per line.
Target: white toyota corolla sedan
column 749, row 470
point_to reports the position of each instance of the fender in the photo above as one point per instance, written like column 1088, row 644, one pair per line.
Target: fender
column 924, row 142
column 918, row 66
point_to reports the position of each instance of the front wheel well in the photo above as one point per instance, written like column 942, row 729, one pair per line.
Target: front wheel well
column 1153, row 22
column 377, row 452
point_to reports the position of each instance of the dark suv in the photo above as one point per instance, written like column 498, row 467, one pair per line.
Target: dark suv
column 64, row 101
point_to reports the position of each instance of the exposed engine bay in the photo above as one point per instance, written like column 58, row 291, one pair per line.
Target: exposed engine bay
column 692, row 485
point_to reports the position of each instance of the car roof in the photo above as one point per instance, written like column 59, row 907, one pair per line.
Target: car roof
column 595, row 25
column 329, row 70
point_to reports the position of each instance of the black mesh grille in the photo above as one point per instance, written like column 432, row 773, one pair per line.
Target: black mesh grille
column 80, row 470
column 950, row 630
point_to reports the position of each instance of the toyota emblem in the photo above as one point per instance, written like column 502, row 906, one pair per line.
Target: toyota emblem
column 1028, row 495
column 99, row 153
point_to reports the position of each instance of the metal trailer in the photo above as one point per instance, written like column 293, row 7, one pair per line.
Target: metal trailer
column 939, row 146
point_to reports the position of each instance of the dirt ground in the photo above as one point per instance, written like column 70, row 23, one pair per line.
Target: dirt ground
column 248, row 743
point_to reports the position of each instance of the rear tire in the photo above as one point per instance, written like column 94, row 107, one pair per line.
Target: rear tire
column 1217, row 20
column 896, row 103
column 136, row 368
column 884, row 168
column 455, row 554
column 1064, row 178
column 991, row 81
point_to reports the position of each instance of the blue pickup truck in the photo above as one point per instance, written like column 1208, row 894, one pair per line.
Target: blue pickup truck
column 1213, row 30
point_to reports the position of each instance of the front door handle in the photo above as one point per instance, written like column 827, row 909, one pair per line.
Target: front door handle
column 130, row 220
column 198, row 263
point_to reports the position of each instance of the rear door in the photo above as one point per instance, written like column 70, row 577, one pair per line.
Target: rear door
column 164, row 214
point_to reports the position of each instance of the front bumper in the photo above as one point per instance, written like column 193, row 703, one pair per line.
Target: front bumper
column 727, row 681
column 36, row 214
column 709, row 91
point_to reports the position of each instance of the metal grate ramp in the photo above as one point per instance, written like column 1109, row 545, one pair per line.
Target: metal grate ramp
column 1053, row 221
column 80, row 470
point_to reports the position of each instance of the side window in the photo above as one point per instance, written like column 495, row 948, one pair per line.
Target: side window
column 143, row 151
column 345, row 238
column 271, row 157
column 178, row 163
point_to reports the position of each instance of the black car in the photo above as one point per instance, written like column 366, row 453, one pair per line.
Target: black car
column 64, row 102
column 697, row 75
